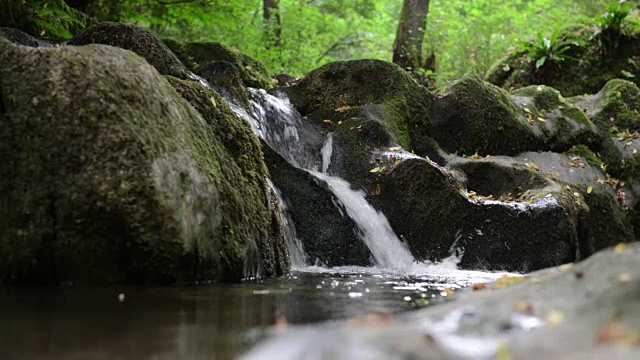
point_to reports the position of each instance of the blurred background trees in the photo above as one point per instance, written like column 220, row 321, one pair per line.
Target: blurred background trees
column 295, row 36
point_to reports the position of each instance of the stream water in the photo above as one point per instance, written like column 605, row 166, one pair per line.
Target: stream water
column 219, row 321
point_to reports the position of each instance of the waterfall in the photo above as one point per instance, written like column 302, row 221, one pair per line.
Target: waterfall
column 279, row 125
column 388, row 251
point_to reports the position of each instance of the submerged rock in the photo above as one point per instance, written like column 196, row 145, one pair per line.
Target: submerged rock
column 138, row 40
column 592, row 306
column 196, row 54
column 109, row 176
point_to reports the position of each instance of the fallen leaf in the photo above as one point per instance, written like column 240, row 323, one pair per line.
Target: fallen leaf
column 327, row 122
column 378, row 190
column 522, row 307
column 507, row 281
column 589, row 189
column 554, row 318
column 623, row 279
column 620, row 248
column 376, row 169
column 479, row 287
column 396, row 148
column 343, row 109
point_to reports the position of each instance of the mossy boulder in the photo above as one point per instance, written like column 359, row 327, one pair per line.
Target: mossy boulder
column 343, row 88
column 109, row 176
column 587, row 66
column 560, row 123
column 224, row 77
column 615, row 108
column 196, row 54
column 138, row 40
column 472, row 116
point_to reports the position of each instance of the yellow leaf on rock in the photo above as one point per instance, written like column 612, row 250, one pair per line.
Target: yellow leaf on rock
column 620, row 248
column 554, row 318
column 589, row 189
column 378, row 190
column 343, row 109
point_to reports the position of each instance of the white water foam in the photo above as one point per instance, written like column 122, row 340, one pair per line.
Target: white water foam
column 327, row 151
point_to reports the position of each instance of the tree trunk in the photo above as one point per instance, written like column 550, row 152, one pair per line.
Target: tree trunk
column 271, row 15
column 407, row 50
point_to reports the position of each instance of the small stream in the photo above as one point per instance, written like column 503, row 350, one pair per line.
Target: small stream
column 221, row 321
column 214, row 321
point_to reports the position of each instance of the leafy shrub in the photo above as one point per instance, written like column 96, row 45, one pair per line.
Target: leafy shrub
column 554, row 49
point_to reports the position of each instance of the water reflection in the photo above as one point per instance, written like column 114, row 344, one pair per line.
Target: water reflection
column 207, row 321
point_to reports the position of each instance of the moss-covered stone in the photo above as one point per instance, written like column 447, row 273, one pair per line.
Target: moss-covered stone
column 437, row 216
column 586, row 69
column 138, row 40
column 472, row 116
column 617, row 106
column 225, row 79
column 591, row 158
column 196, row 54
column 559, row 122
column 332, row 90
column 109, row 176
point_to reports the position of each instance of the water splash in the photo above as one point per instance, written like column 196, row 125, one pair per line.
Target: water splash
column 327, row 151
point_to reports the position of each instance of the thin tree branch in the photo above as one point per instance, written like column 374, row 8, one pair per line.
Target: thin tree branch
column 174, row 2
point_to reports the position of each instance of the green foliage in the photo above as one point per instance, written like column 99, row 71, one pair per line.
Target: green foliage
column 552, row 49
column 52, row 19
column 613, row 24
column 464, row 35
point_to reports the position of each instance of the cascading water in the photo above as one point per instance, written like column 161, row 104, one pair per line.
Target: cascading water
column 296, row 251
column 388, row 251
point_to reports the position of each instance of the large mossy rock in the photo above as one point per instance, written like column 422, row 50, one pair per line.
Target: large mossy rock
column 440, row 215
column 557, row 120
column 588, row 65
column 108, row 175
column 195, row 55
column 616, row 110
column 341, row 90
column 138, row 40
column 472, row 116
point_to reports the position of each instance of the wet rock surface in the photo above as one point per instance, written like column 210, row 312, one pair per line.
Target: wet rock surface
column 109, row 176
column 587, row 310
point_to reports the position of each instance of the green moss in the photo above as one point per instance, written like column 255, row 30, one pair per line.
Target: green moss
column 472, row 116
column 109, row 176
column 584, row 71
column 196, row 54
column 590, row 156
column 138, row 40
column 404, row 105
column 620, row 107
column 241, row 181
